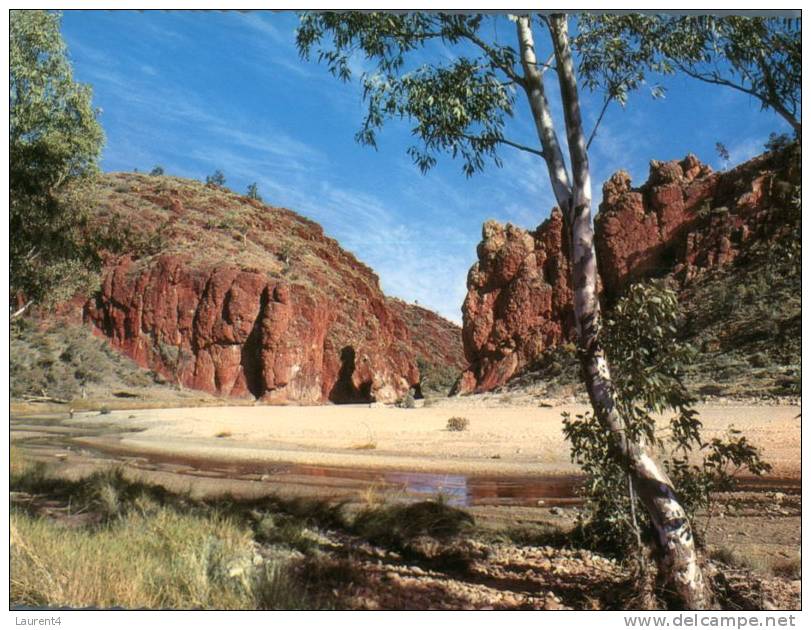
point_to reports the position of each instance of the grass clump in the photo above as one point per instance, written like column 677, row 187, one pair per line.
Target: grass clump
column 370, row 444
column 407, row 401
column 398, row 525
column 729, row 557
column 540, row 535
column 149, row 548
column 789, row 568
column 457, row 423
column 164, row 560
column 365, row 446
column 283, row 529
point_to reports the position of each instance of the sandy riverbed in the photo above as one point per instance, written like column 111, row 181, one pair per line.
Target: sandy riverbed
column 500, row 440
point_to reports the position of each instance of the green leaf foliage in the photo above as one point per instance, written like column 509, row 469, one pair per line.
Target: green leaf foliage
column 458, row 105
column 54, row 145
column 649, row 365
column 253, row 192
column 217, row 178
column 758, row 56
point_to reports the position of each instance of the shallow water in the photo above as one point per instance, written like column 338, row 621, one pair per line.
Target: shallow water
column 47, row 437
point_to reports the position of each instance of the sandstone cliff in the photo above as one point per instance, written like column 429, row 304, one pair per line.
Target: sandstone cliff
column 683, row 222
column 224, row 294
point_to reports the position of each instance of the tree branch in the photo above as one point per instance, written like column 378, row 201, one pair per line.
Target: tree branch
column 500, row 140
column 542, row 115
column 521, row 147
column 599, row 120
column 488, row 50
column 581, row 189
column 717, row 80
column 22, row 310
column 546, row 66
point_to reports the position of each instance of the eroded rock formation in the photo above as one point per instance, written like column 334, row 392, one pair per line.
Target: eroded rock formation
column 518, row 301
column 245, row 300
column 684, row 220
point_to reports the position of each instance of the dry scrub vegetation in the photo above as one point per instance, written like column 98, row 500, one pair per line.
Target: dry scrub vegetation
column 108, row 540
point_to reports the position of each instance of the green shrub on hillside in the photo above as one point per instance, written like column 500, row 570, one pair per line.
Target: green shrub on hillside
column 217, row 178
column 435, row 378
column 63, row 360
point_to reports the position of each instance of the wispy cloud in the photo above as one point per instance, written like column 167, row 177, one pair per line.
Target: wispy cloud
column 255, row 21
column 744, row 149
column 198, row 91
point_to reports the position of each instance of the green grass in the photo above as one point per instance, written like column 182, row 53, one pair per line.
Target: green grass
column 149, row 548
column 163, row 559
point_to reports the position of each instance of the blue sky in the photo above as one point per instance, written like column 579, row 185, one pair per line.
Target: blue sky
column 199, row 91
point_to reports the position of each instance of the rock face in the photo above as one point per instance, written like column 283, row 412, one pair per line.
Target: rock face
column 684, row 220
column 519, row 301
column 223, row 294
column 434, row 339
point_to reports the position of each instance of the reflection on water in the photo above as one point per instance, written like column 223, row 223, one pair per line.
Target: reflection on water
column 464, row 490
column 458, row 490
column 453, row 488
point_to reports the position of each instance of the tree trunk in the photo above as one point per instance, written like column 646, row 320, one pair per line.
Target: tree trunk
column 679, row 568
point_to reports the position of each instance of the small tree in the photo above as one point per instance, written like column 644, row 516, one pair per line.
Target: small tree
column 641, row 341
column 723, row 153
column 157, row 171
column 777, row 142
column 54, row 146
column 217, row 178
column 253, row 192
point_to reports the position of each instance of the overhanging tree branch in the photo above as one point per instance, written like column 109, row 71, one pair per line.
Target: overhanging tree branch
column 775, row 104
column 520, row 147
column 491, row 53
column 606, row 103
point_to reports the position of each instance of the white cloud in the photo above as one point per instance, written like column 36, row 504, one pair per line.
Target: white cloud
column 743, row 150
column 255, row 21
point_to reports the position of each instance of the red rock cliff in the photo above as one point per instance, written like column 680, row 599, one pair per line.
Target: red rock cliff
column 683, row 220
column 230, row 296
column 518, row 301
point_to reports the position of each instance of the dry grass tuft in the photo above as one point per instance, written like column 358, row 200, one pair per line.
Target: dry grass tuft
column 457, row 423
column 789, row 568
column 364, row 446
column 164, row 560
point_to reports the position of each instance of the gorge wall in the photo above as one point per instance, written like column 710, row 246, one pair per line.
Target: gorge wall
column 685, row 220
column 224, row 294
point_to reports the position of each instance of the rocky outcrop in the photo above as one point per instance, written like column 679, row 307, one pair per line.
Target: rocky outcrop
column 518, row 301
column 683, row 221
column 240, row 299
column 686, row 219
